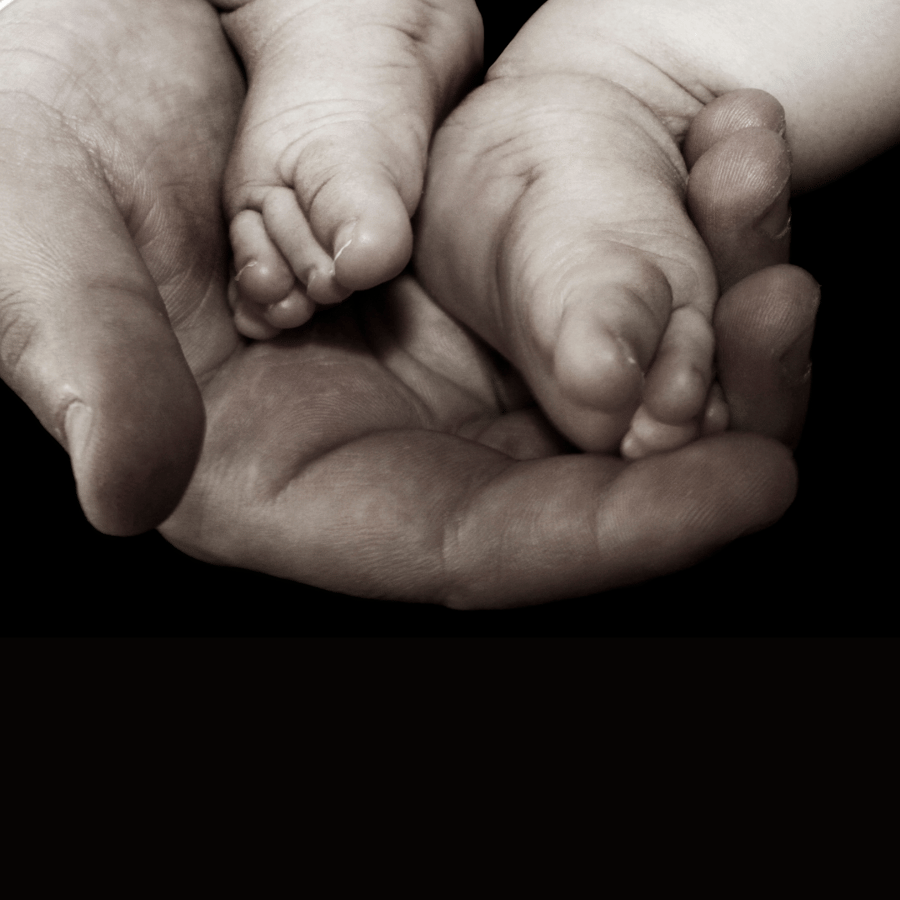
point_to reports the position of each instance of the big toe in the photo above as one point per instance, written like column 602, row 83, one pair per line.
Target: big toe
column 362, row 216
column 590, row 374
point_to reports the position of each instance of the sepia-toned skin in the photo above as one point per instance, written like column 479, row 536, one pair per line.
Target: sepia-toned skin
column 116, row 119
column 332, row 145
column 384, row 451
column 557, row 228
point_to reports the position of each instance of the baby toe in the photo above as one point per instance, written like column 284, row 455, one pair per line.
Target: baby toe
column 263, row 276
column 294, row 310
column 373, row 235
column 678, row 403
column 678, row 382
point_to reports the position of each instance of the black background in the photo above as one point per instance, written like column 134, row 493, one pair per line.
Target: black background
column 824, row 569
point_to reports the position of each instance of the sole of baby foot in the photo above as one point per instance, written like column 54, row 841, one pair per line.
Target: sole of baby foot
column 558, row 201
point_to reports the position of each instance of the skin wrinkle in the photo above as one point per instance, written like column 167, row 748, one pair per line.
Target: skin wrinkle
column 306, row 483
column 510, row 393
column 80, row 169
column 684, row 119
column 457, row 586
column 681, row 174
column 263, row 47
column 609, row 74
column 133, row 195
column 290, row 159
column 493, row 371
column 85, row 132
column 532, row 511
column 129, row 206
column 388, row 352
column 272, row 488
column 45, row 58
column 638, row 298
column 499, row 276
column 56, row 121
column 381, row 509
column 386, row 346
column 416, row 38
column 335, row 174
column 424, row 545
column 16, row 333
column 406, row 388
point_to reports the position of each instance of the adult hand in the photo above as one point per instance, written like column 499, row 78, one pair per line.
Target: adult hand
column 117, row 117
column 385, row 451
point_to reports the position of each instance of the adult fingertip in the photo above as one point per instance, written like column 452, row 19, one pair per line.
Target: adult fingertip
column 732, row 485
column 757, row 473
column 677, row 508
column 730, row 113
column 772, row 310
column 772, row 489
column 739, row 199
column 764, row 330
column 139, row 494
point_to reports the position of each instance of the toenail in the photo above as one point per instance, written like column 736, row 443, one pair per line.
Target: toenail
column 343, row 247
column 627, row 352
column 244, row 268
column 325, row 289
column 343, row 240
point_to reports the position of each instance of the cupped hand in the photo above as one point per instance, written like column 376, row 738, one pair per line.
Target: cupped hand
column 385, row 451
column 116, row 119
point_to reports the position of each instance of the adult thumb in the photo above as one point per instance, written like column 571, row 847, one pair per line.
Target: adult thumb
column 84, row 336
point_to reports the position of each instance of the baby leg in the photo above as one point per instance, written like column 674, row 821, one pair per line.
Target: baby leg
column 330, row 153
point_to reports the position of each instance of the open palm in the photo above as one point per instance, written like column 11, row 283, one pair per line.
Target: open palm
column 383, row 451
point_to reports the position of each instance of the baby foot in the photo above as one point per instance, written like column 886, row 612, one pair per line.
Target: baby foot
column 331, row 149
column 554, row 224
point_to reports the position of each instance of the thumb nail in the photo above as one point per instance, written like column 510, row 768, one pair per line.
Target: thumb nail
column 77, row 429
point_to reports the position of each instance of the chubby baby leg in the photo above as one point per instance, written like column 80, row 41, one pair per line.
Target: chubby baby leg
column 330, row 154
